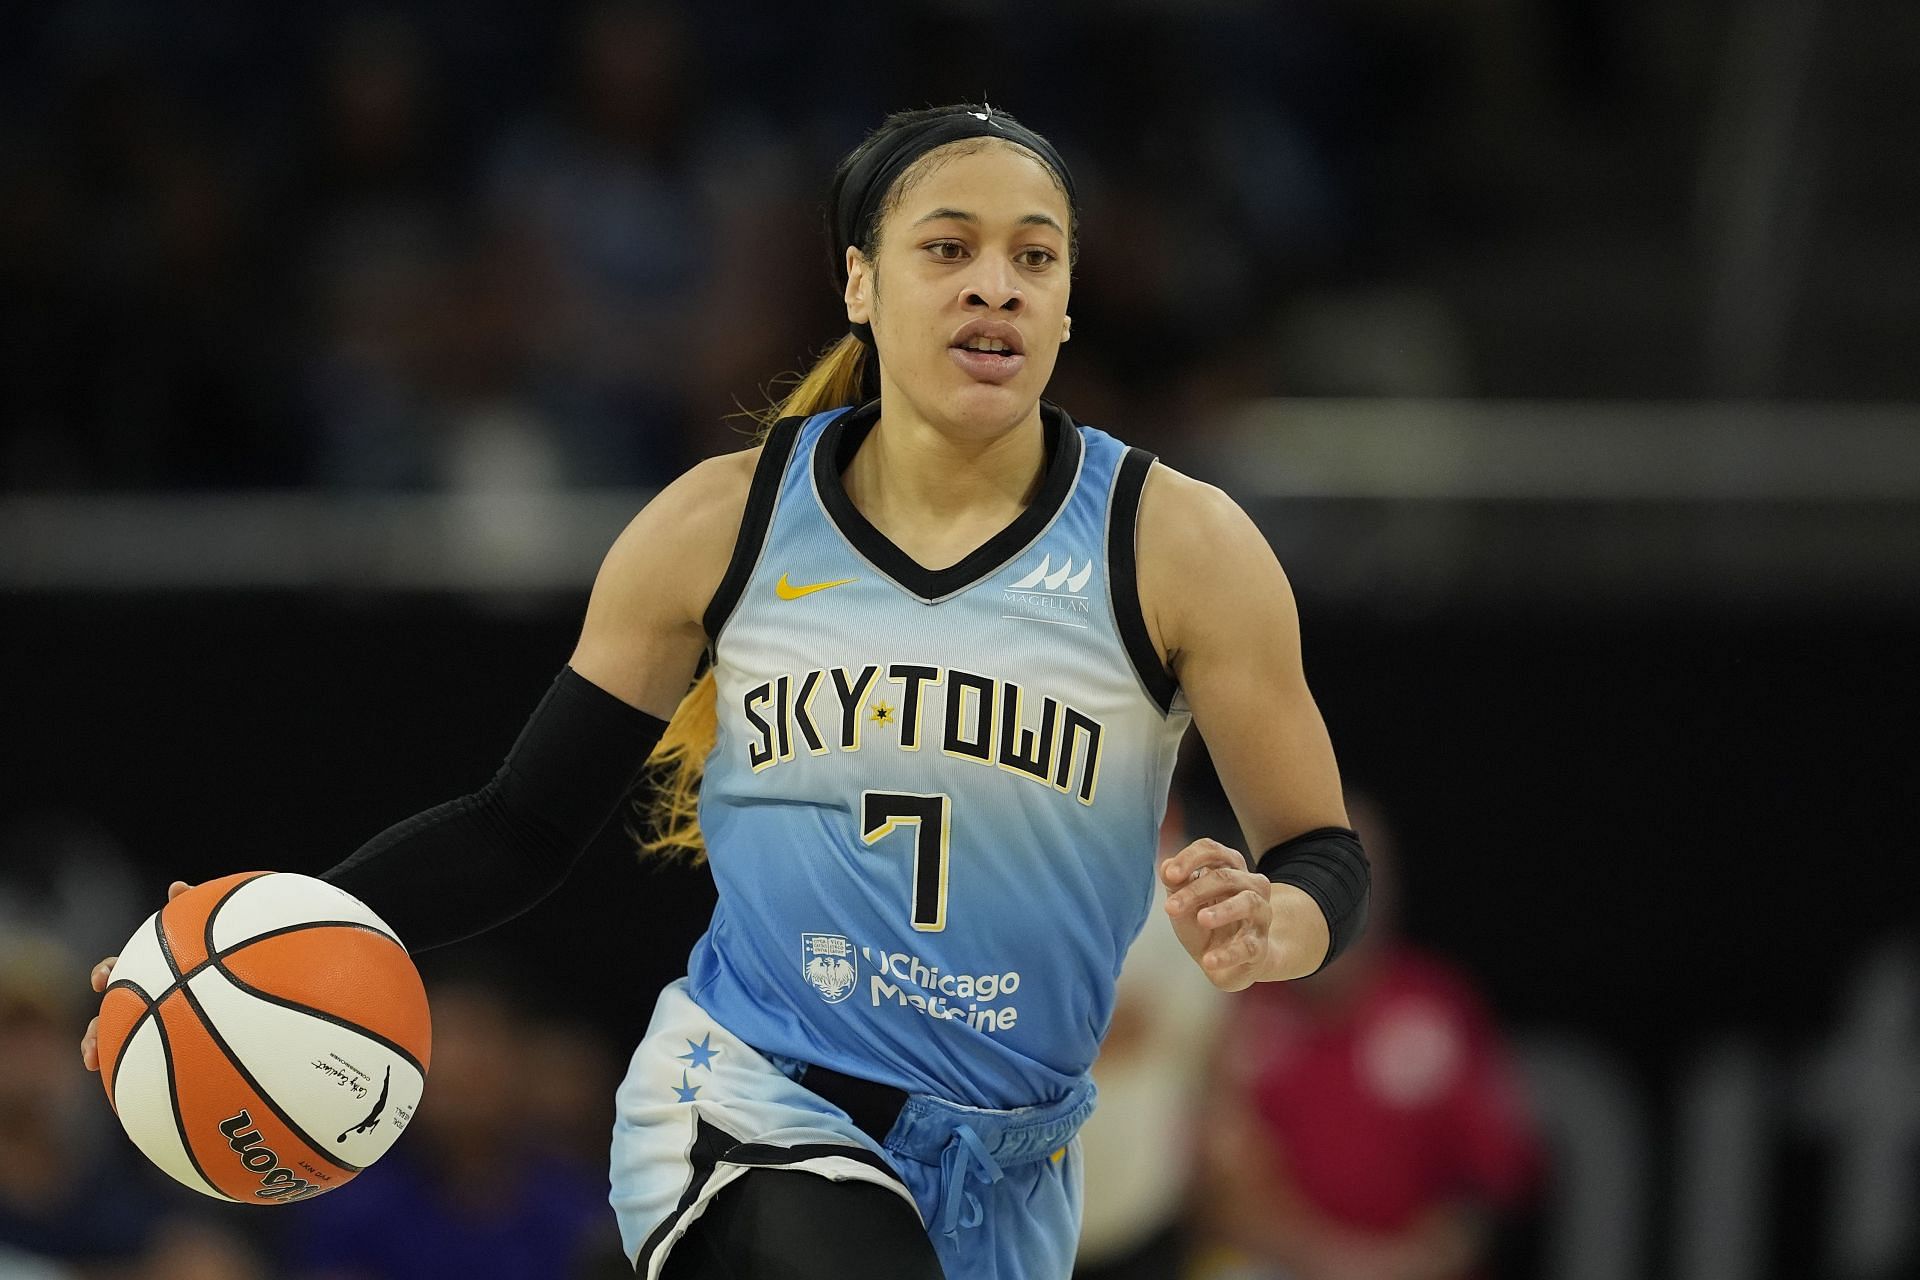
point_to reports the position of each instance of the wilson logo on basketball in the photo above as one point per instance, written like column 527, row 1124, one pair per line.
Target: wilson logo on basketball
column 276, row 1182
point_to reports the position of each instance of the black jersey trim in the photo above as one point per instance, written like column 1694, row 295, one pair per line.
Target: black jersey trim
column 842, row 438
column 762, row 493
column 1123, row 583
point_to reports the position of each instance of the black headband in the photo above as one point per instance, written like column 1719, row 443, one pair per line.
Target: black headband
column 862, row 183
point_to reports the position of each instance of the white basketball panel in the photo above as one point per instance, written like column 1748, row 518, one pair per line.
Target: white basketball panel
column 142, row 1096
column 285, row 898
column 142, row 963
column 350, row 1093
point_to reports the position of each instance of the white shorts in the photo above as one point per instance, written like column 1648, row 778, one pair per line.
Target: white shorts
column 999, row 1191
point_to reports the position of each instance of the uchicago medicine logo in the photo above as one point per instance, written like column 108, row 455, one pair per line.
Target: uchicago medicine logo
column 830, row 965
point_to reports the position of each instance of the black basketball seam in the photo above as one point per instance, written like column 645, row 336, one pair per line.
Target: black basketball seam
column 166, row 948
column 220, row 1043
column 283, row 930
column 213, row 958
column 321, row 1014
column 113, row 1077
column 180, row 1121
column 129, row 984
column 214, row 914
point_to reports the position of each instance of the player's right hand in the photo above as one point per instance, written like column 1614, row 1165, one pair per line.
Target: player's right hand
column 101, row 976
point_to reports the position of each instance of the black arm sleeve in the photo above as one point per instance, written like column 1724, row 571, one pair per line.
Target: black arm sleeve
column 1329, row 864
column 463, row 867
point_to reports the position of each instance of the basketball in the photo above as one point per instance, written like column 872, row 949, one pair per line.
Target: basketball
column 265, row 1037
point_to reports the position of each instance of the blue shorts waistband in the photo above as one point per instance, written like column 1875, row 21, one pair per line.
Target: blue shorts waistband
column 927, row 1125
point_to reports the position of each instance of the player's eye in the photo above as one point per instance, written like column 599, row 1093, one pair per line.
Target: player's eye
column 953, row 251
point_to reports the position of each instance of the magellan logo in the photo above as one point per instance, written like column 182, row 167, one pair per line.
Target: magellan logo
column 1047, row 594
column 1061, row 580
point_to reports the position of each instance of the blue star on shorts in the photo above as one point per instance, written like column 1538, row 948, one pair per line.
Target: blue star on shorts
column 702, row 1054
column 685, row 1092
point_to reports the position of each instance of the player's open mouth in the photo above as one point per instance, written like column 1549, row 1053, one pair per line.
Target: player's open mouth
column 988, row 366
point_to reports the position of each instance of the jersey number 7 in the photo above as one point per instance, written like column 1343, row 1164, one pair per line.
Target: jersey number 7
column 881, row 812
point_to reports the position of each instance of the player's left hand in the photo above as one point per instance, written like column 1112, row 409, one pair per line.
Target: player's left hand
column 1222, row 912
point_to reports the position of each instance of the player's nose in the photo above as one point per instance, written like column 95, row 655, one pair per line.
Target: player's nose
column 994, row 286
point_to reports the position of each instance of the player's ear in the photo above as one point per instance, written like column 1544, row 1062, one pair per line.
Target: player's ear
column 1066, row 327
column 859, row 291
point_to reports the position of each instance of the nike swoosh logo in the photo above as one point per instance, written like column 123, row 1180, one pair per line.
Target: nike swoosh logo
column 787, row 591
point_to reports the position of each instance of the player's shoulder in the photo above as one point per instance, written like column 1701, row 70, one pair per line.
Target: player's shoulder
column 1174, row 509
column 676, row 548
column 1199, row 556
column 1178, row 508
column 712, row 496
column 1191, row 530
column 703, row 503
column 725, row 477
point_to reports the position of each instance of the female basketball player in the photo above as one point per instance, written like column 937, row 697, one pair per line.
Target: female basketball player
column 956, row 639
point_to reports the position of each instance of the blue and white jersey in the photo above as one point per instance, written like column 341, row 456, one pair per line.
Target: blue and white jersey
column 933, row 802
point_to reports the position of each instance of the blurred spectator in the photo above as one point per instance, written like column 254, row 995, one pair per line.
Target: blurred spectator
column 135, row 320
column 76, row 1200
column 57, row 1200
column 578, row 234
column 19, row 1266
column 469, row 1193
column 610, row 208
column 385, row 261
column 1140, row 1147
column 1368, row 1122
column 571, row 1115
column 188, row 1249
column 66, row 875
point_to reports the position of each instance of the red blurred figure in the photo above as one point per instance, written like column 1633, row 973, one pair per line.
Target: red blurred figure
column 1368, row 1122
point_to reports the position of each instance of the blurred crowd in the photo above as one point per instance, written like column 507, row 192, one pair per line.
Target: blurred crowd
column 503, row 1176
column 1363, row 1124
column 420, row 246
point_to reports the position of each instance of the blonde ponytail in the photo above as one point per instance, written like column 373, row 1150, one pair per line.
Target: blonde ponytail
column 671, row 806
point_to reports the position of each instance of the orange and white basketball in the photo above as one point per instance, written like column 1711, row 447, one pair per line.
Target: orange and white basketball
column 264, row 1038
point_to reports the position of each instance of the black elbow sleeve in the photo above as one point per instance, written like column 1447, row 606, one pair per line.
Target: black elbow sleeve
column 463, row 867
column 1329, row 864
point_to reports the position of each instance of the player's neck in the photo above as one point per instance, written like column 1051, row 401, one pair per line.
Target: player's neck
column 925, row 486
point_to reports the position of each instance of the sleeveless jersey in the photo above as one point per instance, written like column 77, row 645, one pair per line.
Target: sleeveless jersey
column 933, row 802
